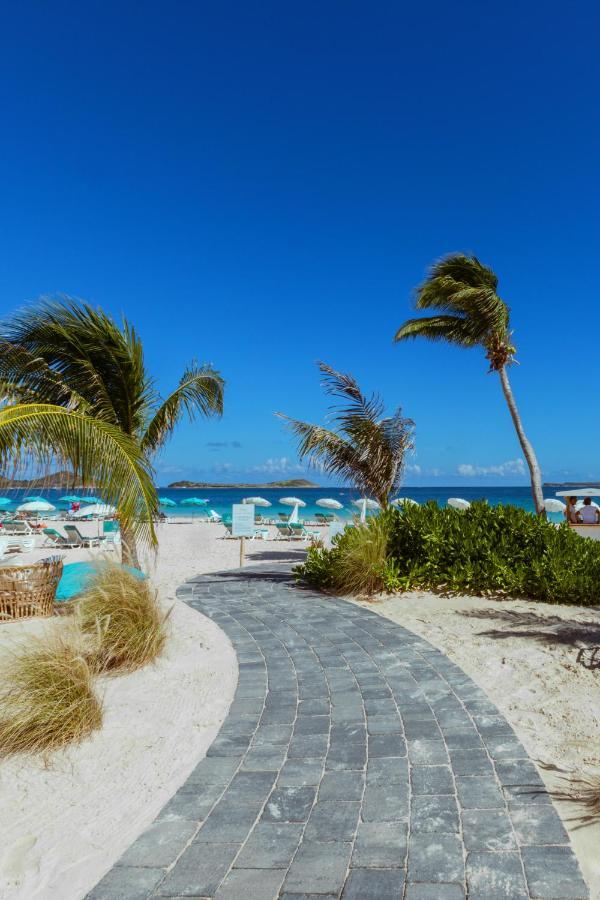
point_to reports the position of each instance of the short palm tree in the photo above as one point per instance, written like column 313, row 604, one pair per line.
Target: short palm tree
column 366, row 449
column 73, row 355
column 34, row 435
column 469, row 313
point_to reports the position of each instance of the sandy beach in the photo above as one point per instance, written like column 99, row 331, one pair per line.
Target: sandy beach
column 160, row 721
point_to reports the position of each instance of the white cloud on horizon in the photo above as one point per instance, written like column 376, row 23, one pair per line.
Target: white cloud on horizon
column 280, row 465
column 510, row 467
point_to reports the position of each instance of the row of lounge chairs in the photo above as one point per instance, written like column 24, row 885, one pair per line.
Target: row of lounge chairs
column 286, row 531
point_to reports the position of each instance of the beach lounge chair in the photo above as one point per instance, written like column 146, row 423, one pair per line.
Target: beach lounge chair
column 111, row 534
column 56, row 539
column 284, row 532
column 78, row 539
column 324, row 518
column 300, row 532
column 16, row 526
column 213, row 516
column 10, row 544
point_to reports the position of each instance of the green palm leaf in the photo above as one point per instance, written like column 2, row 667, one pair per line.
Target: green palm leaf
column 200, row 391
column 98, row 453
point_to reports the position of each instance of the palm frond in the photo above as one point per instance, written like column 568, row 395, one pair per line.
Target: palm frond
column 98, row 453
column 453, row 329
column 200, row 392
column 364, row 449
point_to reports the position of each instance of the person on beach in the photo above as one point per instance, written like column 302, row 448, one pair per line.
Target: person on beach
column 588, row 514
column 571, row 511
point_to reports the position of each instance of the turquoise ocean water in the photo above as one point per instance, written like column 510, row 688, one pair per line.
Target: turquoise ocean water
column 222, row 499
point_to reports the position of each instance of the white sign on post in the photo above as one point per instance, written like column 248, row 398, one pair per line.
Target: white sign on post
column 242, row 519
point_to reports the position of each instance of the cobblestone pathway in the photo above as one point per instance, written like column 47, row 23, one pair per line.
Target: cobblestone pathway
column 357, row 761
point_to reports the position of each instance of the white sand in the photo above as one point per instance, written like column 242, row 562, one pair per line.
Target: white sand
column 524, row 655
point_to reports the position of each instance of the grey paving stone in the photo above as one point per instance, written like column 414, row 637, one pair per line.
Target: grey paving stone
column 251, row 885
column 471, row 762
column 501, row 746
column 248, row 787
column 519, row 772
column 462, row 738
column 346, row 756
column 126, row 883
column 386, row 745
column 434, row 892
column 434, row 814
column 374, row 884
column 301, row 772
column 213, row 770
column 312, row 725
column 380, row 845
column 427, row 752
column 384, row 725
column 333, row 820
column 318, row 868
column 487, row 829
column 289, row 804
column 199, row 871
column 192, row 805
column 229, row 822
column 264, row 758
column 436, row 858
column 313, row 708
column 432, row 780
column 307, row 746
column 479, row 792
column 387, row 770
column 159, row 845
column 341, row 786
column 386, row 804
column 495, row 876
column 270, row 846
column 273, row 734
column 552, row 873
column 537, row 824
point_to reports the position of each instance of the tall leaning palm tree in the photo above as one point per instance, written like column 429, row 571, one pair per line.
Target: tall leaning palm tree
column 73, row 355
column 469, row 313
column 365, row 448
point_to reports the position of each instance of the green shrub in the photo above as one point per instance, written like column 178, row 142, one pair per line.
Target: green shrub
column 483, row 550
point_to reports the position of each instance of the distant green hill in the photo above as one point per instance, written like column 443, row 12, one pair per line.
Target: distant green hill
column 206, row 485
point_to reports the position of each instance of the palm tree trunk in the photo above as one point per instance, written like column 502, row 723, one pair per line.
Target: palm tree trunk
column 528, row 451
column 128, row 548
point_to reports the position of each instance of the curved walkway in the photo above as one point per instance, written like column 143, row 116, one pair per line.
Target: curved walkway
column 357, row 761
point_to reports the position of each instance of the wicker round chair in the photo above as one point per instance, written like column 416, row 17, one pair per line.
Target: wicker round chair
column 28, row 591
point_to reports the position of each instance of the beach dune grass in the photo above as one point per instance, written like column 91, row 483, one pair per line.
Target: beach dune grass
column 47, row 696
column 121, row 619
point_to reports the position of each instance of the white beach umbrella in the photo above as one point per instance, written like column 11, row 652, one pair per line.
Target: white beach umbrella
column 36, row 506
column 458, row 503
column 554, row 506
column 329, row 503
column 296, row 503
column 95, row 509
column 257, row 501
column 579, row 504
column 364, row 504
column 404, row 501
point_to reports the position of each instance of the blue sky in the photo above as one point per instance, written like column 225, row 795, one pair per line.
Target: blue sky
column 262, row 185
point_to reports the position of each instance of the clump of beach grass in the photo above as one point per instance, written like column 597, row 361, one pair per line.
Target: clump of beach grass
column 47, row 697
column 120, row 617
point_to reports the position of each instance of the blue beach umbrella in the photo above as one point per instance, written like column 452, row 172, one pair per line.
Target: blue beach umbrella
column 193, row 501
column 34, row 500
column 166, row 501
column 91, row 500
column 70, row 498
column 5, row 501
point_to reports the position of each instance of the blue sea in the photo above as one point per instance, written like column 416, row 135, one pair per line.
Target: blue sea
column 221, row 499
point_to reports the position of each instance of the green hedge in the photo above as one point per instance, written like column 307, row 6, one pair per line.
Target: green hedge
column 482, row 550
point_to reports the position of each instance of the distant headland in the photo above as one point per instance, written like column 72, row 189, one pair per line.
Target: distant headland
column 568, row 484
column 206, row 485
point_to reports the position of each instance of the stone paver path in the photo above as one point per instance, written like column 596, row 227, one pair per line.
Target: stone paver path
column 357, row 762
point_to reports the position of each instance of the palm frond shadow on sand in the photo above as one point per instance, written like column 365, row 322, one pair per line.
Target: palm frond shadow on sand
column 550, row 630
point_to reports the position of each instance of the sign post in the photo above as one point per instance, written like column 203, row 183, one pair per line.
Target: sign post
column 242, row 524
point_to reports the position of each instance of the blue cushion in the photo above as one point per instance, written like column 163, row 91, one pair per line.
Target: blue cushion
column 76, row 576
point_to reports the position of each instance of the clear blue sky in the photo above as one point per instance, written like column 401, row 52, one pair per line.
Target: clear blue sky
column 262, row 185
